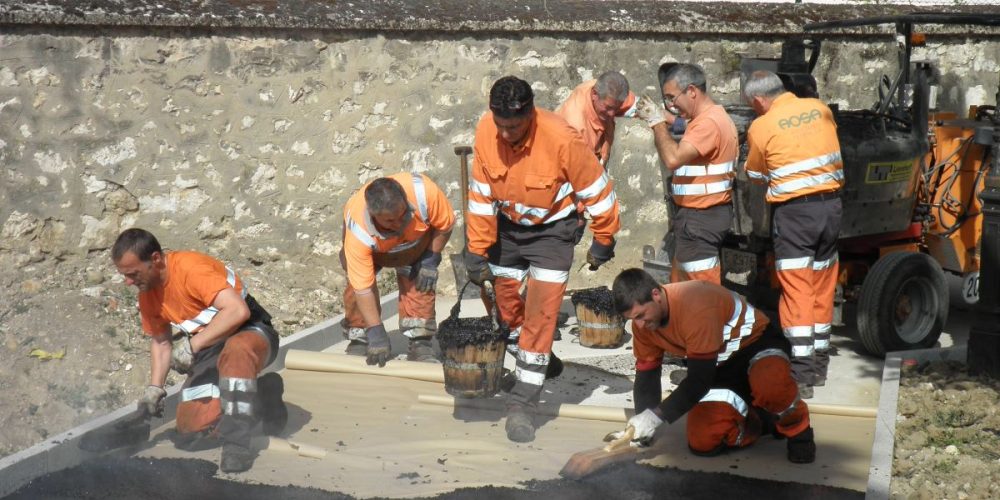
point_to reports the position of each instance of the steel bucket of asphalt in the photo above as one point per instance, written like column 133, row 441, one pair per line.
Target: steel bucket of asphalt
column 600, row 326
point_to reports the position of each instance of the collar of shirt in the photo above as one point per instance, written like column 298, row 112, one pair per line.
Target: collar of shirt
column 782, row 99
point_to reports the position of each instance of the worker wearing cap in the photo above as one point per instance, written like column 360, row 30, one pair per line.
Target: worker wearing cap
column 703, row 167
column 529, row 170
column 225, row 338
column 739, row 383
column 402, row 221
column 793, row 148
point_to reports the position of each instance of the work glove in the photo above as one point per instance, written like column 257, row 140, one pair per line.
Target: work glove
column 651, row 111
column 151, row 402
column 182, row 356
column 378, row 345
column 425, row 272
column 599, row 254
column 477, row 268
column 644, row 426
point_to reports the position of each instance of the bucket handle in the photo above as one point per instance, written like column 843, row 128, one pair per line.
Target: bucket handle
column 498, row 324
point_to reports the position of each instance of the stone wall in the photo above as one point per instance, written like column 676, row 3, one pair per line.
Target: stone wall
column 247, row 143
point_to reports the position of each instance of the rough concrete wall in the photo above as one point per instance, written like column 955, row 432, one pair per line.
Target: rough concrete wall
column 247, row 146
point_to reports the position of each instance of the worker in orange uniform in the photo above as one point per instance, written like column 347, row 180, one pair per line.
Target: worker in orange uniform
column 225, row 339
column 592, row 107
column 793, row 148
column 401, row 221
column 703, row 165
column 529, row 169
column 739, row 383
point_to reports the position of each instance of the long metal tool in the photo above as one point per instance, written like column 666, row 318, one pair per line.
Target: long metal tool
column 457, row 259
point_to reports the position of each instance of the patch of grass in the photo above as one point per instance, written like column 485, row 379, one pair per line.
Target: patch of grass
column 946, row 466
column 956, row 417
column 944, row 439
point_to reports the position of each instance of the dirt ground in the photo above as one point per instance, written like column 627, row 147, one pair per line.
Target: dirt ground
column 81, row 313
column 947, row 434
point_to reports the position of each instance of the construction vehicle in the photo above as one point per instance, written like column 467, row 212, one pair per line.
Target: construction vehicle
column 911, row 206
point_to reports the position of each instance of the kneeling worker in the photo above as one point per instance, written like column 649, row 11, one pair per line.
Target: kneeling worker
column 401, row 221
column 226, row 339
column 739, row 383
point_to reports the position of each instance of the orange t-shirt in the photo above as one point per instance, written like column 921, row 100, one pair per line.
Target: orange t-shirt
column 430, row 210
column 707, row 180
column 578, row 111
column 185, row 301
column 706, row 321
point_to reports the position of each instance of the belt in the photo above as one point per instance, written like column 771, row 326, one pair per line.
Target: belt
column 830, row 195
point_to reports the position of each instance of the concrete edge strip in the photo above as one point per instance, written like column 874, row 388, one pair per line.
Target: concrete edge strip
column 61, row 451
column 883, row 447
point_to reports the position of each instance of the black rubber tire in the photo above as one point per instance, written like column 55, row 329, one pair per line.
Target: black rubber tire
column 903, row 304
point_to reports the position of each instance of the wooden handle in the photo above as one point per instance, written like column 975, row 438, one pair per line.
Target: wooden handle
column 622, row 441
column 463, row 153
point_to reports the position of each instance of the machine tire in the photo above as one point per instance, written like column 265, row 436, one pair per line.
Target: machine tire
column 903, row 304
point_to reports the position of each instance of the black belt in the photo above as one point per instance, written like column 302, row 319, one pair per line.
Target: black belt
column 830, row 195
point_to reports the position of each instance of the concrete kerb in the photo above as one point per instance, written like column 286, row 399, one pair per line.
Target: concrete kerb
column 62, row 451
column 880, row 471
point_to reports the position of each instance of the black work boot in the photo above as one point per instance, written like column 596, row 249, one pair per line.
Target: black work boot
column 554, row 368
column 236, row 458
column 273, row 412
column 421, row 350
column 519, row 426
column 802, row 447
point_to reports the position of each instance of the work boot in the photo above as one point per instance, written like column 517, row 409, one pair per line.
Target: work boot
column 236, row 458
column 802, row 448
column 805, row 391
column 273, row 411
column 519, row 426
column 195, row 441
column 677, row 376
column 356, row 348
column 507, row 380
column 421, row 350
column 554, row 368
column 819, row 381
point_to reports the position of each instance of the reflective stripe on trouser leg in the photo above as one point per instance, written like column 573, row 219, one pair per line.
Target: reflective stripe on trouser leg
column 719, row 419
column 699, row 235
column 530, row 374
column 795, row 274
column 544, row 296
column 707, row 269
column 775, row 391
column 416, row 309
column 825, row 284
column 242, row 358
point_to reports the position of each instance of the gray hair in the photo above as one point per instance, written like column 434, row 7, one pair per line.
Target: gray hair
column 762, row 83
column 384, row 195
column 612, row 84
column 685, row 74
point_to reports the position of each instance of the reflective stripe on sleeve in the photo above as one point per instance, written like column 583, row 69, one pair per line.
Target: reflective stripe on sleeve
column 593, row 189
column 603, row 205
column 484, row 209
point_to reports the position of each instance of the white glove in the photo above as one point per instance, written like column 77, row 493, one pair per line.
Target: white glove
column 645, row 425
column 651, row 111
column 182, row 357
column 151, row 402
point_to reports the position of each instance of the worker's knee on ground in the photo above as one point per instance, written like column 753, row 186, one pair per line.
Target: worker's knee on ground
column 243, row 355
column 198, row 415
column 772, row 385
column 712, row 424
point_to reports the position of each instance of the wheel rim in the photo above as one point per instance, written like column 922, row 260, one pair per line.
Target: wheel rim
column 914, row 310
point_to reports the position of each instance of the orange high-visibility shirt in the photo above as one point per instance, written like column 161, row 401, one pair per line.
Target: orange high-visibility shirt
column 794, row 149
column 538, row 182
column 707, row 180
column 429, row 209
column 578, row 111
column 185, row 301
column 706, row 321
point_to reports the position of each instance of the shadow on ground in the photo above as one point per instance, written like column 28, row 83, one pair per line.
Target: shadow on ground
column 172, row 479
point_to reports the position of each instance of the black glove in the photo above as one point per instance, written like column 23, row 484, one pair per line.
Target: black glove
column 477, row 268
column 425, row 271
column 151, row 402
column 600, row 254
column 378, row 345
